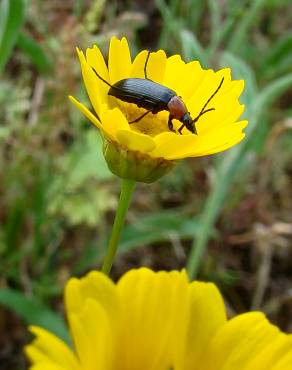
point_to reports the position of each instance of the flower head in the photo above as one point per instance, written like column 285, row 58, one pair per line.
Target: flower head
column 208, row 98
column 157, row 321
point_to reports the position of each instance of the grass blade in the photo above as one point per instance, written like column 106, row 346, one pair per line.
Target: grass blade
column 240, row 70
column 33, row 312
column 35, row 52
column 229, row 169
column 11, row 21
column 278, row 59
column 157, row 227
column 192, row 49
column 215, row 16
column 241, row 31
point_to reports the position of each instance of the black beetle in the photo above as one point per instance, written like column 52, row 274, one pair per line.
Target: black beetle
column 155, row 98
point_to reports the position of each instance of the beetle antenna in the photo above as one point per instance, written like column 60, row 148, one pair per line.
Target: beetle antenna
column 101, row 77
column 145, row 66
column 203, row 111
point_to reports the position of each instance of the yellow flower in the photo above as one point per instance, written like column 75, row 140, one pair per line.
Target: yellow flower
column 150, row 139
column 157, row 321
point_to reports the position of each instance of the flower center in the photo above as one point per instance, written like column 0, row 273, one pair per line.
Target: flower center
column 151, row 124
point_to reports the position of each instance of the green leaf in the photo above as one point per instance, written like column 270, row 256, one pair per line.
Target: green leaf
column 12, row 15
column 33, row 312
column 249, row 16
column 192, row 49
column 35, row 52
column 267, row 97
column 74, row 195
column 157, row 227
column 215, row 17
column 193, row 19
column 12, row 229
column 241, row 70
column 88, row 160
column 278, row 59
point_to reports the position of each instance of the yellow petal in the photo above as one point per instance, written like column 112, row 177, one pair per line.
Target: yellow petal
column 119, row 60
column 113, row 120
column 172, row 146
column 95, row 286
column 91, row 82
column 175, row 69
column 95, row 59
column 232, row 115
column 156, row 66
column 239, row 341
column 163, row 322
column 35, row 355
column 153, row 316
column 207, row 87
column 275, row 355
column 222, row 145
column 93, row 337
column 137, row 69
column 169, row 143
column 220, row 148
column 195, row 75
column 285, row 362
column 227, row 84
column 235, row 86
column 207, row 315
column 86, row 112
column 135, row 141
column 173, row 72
column 47, row 346
column 224, row 114
column 47, row 366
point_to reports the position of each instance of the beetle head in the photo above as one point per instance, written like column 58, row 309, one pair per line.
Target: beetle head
column 188, row 123
column 178, row 110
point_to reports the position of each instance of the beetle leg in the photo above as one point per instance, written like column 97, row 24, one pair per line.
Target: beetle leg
column 180, row 129
column 139, row 118
column 145, row 66
column 170, row 124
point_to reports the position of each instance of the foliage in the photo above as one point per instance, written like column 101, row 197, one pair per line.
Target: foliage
column 57, row 196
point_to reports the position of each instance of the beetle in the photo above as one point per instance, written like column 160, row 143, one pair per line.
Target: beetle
column 155, row 98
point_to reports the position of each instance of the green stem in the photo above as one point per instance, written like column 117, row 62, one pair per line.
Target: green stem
column 127, row 190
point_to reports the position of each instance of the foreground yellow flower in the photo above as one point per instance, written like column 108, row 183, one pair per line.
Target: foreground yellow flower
column 157, row 321
column 150, row 139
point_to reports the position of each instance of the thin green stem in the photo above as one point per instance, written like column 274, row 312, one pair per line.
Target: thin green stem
column 127, row 190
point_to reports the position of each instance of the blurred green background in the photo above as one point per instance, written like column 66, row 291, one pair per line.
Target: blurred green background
column 57, row 197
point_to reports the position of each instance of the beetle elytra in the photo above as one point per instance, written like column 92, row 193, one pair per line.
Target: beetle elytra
column 155, row 98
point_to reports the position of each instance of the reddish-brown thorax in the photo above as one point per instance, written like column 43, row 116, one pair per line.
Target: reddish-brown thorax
column 177, row 107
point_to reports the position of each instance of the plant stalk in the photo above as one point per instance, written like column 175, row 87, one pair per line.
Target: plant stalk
column 127, row 190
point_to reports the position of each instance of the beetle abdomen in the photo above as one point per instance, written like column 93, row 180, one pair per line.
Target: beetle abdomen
column 142, row 92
